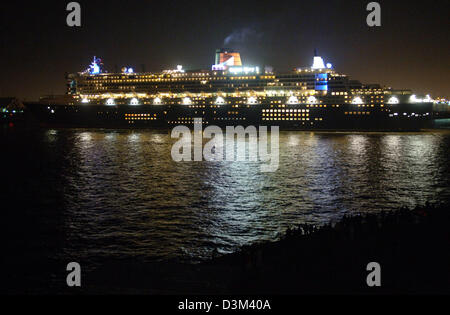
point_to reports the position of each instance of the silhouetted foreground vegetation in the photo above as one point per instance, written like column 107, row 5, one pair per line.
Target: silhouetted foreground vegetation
column 412, row 247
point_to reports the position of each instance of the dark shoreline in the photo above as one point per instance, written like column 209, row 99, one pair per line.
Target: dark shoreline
column 412, row 247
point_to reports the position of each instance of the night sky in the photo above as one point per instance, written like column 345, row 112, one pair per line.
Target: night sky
column 410, row 50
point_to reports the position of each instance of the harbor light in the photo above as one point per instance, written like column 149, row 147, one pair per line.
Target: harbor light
column 110, row 102
column 85, row 101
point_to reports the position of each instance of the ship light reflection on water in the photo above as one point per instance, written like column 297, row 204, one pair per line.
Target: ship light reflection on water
column 391, row 147
column 134, row 137
column 123, row 188
column 358, row 145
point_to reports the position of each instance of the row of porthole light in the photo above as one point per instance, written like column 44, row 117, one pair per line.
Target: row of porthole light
column 394, row 100
column 358, row 100
column 292, row 100
column 219, row 101
column 409, row 115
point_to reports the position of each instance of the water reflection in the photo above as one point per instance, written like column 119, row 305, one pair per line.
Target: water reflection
column 358, row 145
column 125, row 197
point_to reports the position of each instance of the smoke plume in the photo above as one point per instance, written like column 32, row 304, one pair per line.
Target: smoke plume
column 241, row 36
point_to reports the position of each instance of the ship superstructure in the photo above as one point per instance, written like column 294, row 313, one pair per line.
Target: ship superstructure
column 315, row 97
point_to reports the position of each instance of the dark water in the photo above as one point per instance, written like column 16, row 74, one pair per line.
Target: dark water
column 95, row 195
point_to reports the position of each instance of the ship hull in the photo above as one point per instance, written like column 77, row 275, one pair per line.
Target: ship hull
column 292, row 117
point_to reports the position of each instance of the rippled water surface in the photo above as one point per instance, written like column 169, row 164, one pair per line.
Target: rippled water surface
column 103, row 194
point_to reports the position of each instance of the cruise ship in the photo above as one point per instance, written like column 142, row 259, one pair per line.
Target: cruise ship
column 231, row 93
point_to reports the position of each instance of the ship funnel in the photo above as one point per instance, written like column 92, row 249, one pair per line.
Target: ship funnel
column 226, row 58
column 318, row 61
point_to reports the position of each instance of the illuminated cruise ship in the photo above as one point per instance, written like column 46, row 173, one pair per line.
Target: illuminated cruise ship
column 231, row 93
